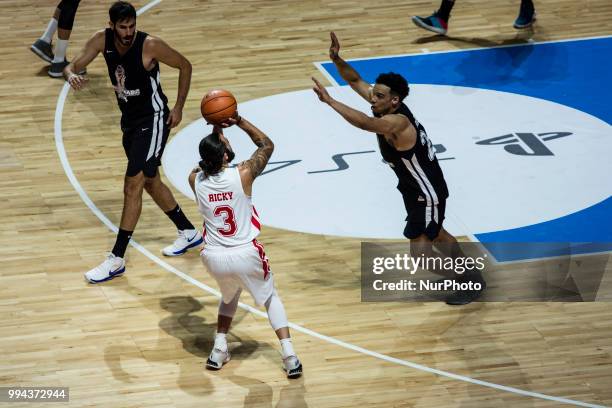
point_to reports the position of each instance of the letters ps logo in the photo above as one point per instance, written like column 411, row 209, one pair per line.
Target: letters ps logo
column 525, row 144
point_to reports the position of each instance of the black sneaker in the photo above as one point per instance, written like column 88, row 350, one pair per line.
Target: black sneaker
column 526, row 16
column 56, row 70
column 432, row 23
column 43, row 49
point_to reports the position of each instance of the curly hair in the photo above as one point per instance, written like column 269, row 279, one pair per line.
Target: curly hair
column 396, row 82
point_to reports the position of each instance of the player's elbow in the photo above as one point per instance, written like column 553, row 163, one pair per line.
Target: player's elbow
column 185, row 65
column 363, row 126
column 270, row 147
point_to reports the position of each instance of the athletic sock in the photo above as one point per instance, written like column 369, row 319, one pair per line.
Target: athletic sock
column 287, row 346
column 177, row 216
column 60, row 50
column 121, row 243
column 51, row 29
column 221, row 341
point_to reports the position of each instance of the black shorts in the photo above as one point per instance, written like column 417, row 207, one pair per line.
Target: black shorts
column 144, row 144
column 68, row 9
column 425, row 219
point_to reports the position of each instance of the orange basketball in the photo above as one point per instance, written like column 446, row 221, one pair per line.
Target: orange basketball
column 218, row 105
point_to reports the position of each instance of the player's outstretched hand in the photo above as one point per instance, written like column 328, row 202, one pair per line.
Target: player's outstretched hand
column 77, row 82
column 334, row 48
column 321, row 92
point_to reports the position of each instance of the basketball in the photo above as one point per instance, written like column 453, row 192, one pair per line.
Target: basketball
column 218, row 105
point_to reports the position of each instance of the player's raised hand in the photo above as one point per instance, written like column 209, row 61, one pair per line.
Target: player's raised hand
column 321, row 92
column 334, row 48
column 234, row 120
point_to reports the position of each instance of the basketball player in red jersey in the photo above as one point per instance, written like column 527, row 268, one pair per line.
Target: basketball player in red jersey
column 232, row 254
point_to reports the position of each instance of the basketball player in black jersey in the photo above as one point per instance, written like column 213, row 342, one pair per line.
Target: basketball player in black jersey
column 404, row 145
column 133, row 59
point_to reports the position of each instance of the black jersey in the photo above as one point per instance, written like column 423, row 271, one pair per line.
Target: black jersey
column 417, row 169
column 138, row 91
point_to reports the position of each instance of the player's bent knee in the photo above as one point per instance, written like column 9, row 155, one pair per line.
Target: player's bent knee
column 133, row 186
column 152, row 183
column 421, row 245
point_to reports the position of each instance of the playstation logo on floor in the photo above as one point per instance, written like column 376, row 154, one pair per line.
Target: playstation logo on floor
column 525, row 144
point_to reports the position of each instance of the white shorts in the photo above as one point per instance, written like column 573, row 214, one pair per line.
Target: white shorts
column 243, row 266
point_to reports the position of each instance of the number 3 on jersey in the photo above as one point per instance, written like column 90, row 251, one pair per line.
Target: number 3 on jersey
column 227, row 213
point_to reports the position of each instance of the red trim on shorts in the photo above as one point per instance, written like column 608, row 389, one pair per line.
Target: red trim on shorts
column 263, row 257
column 254, row 219
column 256, row 223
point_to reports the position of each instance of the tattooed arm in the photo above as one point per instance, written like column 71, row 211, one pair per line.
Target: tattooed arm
column 253, row 167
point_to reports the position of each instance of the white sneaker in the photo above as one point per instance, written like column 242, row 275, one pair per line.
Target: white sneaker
column 186, row 239
column 292, row 366
column 107, row 270
column 217, row 358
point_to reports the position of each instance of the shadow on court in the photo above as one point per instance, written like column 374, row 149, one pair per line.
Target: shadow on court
column 196, row 334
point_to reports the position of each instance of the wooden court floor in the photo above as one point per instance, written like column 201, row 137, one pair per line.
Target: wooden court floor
column 142, row 340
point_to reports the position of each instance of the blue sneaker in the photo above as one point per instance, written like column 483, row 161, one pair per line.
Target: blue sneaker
column 431, row 23
column 186, row 239
column 526, row 16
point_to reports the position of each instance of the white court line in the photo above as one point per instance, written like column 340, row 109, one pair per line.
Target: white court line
column 59, row 143
column 147, row 6
column 326, row 74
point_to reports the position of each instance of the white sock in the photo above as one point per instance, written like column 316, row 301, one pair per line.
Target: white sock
column 51, row 29
column 287, row 347
column 220, row 342
column 60, row 50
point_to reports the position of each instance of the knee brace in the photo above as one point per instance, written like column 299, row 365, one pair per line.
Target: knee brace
column 229, row 309
column 276, row 312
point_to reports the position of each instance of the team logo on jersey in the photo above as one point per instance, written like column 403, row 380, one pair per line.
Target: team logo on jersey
column 431, row 152
column 120, row 90
column 525, row 144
